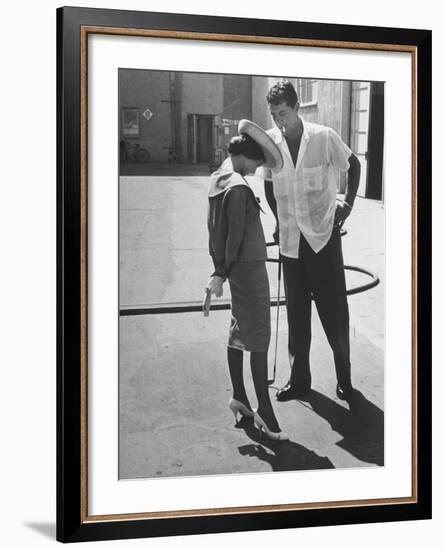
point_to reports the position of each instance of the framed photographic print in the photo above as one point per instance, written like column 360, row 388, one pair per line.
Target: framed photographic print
column 244, row 271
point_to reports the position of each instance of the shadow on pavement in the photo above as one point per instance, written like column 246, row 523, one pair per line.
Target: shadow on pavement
column 362, row 429
column 362, row 426
column 282, row 456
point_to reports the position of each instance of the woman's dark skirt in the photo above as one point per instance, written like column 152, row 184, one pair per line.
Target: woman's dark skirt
column 250, row 328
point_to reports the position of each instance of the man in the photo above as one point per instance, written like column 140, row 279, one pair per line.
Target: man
column 302, row 196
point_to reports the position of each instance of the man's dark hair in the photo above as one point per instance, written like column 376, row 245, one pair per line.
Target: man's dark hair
column 245, row 145
column 282, row 91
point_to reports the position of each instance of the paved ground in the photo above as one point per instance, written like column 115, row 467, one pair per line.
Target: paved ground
column 174, row 384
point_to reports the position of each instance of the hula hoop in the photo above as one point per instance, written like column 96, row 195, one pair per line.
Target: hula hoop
column 375, row 280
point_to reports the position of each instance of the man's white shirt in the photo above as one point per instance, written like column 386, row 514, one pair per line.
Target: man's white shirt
column 306, row 193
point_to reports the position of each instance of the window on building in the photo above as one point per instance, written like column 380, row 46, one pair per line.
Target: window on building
column 307, row 91
column 130, row 122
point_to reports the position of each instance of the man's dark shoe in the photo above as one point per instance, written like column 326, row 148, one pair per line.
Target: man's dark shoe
column 291, row 391
column 344, row 392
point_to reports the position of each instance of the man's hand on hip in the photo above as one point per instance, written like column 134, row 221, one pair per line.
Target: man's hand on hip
column 342, row 211
column 275, row 235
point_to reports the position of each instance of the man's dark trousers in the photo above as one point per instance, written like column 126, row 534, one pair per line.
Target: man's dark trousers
column 320, row 276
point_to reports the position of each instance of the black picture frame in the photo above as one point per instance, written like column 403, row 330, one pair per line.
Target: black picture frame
column 73, row 523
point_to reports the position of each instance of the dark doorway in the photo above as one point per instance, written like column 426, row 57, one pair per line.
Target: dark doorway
column 374, row 189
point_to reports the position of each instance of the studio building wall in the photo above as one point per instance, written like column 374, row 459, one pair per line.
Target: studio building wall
column 151, row 90
column 174, row 97
column 190, row 117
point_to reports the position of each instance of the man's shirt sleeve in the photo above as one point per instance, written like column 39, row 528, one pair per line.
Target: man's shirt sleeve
column 338, row 152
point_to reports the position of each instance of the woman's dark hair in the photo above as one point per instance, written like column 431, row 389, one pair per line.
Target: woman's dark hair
column 245, row 145
column 282, row 92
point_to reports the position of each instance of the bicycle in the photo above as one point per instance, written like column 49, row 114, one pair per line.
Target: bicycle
column 132, row 152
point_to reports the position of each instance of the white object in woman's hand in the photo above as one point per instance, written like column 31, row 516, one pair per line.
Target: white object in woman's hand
column 215, row 285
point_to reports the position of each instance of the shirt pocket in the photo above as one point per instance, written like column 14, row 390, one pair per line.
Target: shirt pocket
column 280, row 183
column 313, row 178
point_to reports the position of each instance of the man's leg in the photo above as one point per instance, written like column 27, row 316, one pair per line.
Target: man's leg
column 327, row 274
column 298, row 306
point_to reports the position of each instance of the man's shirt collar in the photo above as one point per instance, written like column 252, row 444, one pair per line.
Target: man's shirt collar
column 305, row 136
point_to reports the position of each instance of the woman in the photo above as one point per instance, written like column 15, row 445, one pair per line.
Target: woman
column 238, row 249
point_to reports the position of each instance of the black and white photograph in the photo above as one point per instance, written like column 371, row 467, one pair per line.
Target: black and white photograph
column 251, row 274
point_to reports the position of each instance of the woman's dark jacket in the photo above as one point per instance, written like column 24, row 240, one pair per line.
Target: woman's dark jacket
column 235, row 229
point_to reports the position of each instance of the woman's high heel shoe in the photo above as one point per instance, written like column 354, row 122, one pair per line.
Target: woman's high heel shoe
column 262, row 427
column 237, row 407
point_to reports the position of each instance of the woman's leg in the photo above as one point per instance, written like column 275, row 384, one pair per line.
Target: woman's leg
column 235, row 364
column 259, row 368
